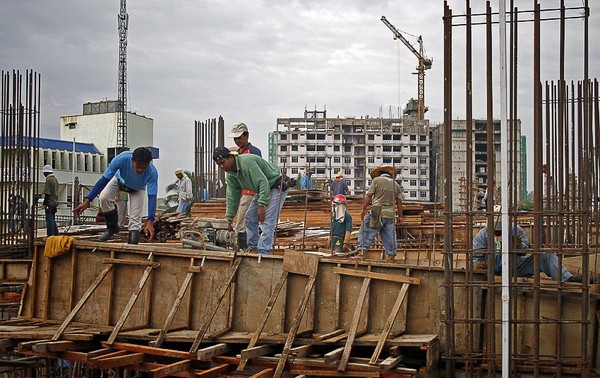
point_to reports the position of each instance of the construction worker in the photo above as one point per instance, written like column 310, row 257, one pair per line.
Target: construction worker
column 134, row 173
column 50, row 200
column 184, row 191
column 256, row 174
column 306, row 182
column 522, row 263
column 383, row 194
column 341, row 224
column 338, row 185
column 240, row 135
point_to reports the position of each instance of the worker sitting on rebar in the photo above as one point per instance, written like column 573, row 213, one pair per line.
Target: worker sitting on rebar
column 523, row 262
column 341, row 224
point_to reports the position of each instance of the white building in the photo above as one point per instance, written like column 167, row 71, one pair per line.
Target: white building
column 356, row 146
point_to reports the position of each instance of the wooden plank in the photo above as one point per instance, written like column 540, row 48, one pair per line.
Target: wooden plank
column 167, row 370
column 215, row 371
column 108, row 260
column 211, row 351
column 354, row 326
column 390, row 362
column 129, row 306
column 390, row 322
column 303, row 263
column 294, row 328
column 73, row 278
column 329, row 373
column 48, row 293
column 174, row 308
column 263, row 373
column 264, row 317
column 328, row 335
column 216, row 304
column 119, row 361
column 61, row 346
column 100, row 352
column 256, row 351
column 377, row 276
column 333, row 356
column 59, row 332
column 172, row 353
column 27, row 346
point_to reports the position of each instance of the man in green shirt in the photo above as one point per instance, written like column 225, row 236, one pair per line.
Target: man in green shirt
column 254, row 173
column 50, row 200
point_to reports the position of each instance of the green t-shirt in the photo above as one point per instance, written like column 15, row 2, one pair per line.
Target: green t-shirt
column 51, row 189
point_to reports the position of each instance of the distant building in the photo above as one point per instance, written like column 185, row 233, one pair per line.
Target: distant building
column 355, row 146
column 98, row 125
column 480, row 162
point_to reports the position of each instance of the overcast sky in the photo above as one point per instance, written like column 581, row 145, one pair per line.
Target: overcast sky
column 254, row 61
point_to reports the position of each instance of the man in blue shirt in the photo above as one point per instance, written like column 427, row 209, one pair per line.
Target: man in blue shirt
column 134, row 173
column 306, row 182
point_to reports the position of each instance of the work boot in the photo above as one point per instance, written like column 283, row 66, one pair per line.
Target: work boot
column 390, row 257
column 134, row 237
column 242, row 240
column 112, row 225
column 578, row 278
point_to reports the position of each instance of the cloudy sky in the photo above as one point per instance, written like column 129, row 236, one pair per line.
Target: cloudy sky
column 253, row 61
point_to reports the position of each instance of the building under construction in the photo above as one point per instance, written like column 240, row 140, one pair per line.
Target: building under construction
column 198, row 308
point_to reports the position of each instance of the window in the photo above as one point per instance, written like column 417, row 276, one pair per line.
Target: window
column 294, row 171
column 387, row 160
column 320, row 148
column 371, row 137
column 311, row 136
column 336, row 148
column 294, row 148
column 294, row 136
column 283, row 136
column 347, row 171
column 413, row 160
column 413, row 148
column 413, row 194
column 423, row 194
column 320, row 171
column 282, row 148
column 294, row 159
column 423, row 172
column 413, row 137
column 422, row 160
column 283, row 159
column 387, row 148
column 337, row 159
column 321, row 159
column 336, row 137
column 371, row 159
column 371, row 148
column 311, row 148
column 413, row 183
column 422, row 182
column 422, row 149
column 347, row 148
column 320, row 136
column 423, row 138
column 387, row 137
column 347, row 160
column 71, row 125
column 413, row 171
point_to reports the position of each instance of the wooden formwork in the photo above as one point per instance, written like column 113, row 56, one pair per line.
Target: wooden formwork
column 114, row 305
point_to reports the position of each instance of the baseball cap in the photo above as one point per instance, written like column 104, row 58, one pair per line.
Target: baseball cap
column 179, row 170
column 238, row 129
column 221, row 153
column 47, row 169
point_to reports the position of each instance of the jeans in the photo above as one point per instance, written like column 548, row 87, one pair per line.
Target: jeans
column 183, row 206
column 51, row 227
column 524, row 265
column 260, row 236
column 366, row 235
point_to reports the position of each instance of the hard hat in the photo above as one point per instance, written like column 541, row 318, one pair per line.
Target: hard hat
column 340, row 199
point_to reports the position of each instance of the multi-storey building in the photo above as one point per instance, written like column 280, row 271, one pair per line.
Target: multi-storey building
column 355, row 146
column 479, row 159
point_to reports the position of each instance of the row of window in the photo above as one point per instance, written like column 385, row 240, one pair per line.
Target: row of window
column 357, row 150
column 348, row 160
column 63, row 160
column 311, row 136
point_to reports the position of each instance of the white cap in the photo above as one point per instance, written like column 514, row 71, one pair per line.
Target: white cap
column 179, row 170
column 47, row 169
column 238, row 129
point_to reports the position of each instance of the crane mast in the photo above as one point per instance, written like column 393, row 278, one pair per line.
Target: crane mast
column 123, row 21
column 424, row 64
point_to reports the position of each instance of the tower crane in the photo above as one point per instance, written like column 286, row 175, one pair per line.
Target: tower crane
column 424, row 64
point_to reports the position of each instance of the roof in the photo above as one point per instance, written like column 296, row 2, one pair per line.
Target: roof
column 54, row 144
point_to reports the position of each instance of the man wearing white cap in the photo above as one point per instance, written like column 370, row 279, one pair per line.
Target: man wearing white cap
column 240, row 134
column 50, row 200
column 184, row 191
column 339, row 186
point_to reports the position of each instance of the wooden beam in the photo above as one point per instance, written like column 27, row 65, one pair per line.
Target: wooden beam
column 151, row 350
column 211, row 351
column 167, row 370
column 354, row 326
column 59, row 332
column 61, row 346
column 263, row 373
column 391, row 362
column 264, row 317
column 256, row 351
column 215, row 371
column 328, row 335
column 301, row 351
column 118, row 361
column 108, row 260
column 295, row 326
column 377, row 276
column 333, row 356
column 389, row 324
column 129, row 306
column 174, row 308
column 216, row 304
